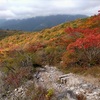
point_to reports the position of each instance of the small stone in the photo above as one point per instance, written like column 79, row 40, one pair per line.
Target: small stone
column 72, row 88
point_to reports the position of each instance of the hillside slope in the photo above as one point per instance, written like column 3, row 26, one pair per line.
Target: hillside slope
column 72, row 47
column 50, row 34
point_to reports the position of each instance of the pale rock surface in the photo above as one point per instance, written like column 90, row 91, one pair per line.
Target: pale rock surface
column 65, row 86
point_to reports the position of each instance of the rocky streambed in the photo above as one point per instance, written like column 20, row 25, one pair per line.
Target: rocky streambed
column 65, row 86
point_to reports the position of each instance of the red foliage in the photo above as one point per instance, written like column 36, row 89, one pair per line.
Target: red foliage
column 85, row 31
column 89, row 41
column 89, row 44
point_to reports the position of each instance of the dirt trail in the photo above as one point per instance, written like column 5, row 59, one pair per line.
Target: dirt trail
column 67, row 85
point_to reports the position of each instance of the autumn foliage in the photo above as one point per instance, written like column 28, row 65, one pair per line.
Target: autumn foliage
column 88, row 43
column 19, row 50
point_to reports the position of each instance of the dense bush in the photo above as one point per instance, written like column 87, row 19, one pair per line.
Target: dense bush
column 16, row 78
column 87, row 47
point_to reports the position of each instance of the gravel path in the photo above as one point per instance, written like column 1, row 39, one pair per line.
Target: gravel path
column 52, row 78
column 65, row 86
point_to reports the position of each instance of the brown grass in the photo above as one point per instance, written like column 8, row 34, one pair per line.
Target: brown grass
column 81, row 97
column 89, row 74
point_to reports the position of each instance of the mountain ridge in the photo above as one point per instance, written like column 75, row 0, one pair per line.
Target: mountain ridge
column 38, row 23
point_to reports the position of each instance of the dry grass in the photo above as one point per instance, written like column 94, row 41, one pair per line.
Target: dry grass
column 91, row 79
column 92, row 71
column 89, row 74
column 81, row 97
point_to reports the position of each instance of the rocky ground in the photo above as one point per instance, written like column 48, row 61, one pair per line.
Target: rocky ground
column 66, row 86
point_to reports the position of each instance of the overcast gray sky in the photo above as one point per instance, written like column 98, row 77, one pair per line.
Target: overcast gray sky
column 19, row 9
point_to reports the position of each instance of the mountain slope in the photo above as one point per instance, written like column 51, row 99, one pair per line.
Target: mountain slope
column 49, row 45
column 38, row 23
column 2, row 21
column 51, row 33
column 22, row 53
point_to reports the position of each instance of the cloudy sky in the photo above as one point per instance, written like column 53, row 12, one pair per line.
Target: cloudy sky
column 19, row 9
